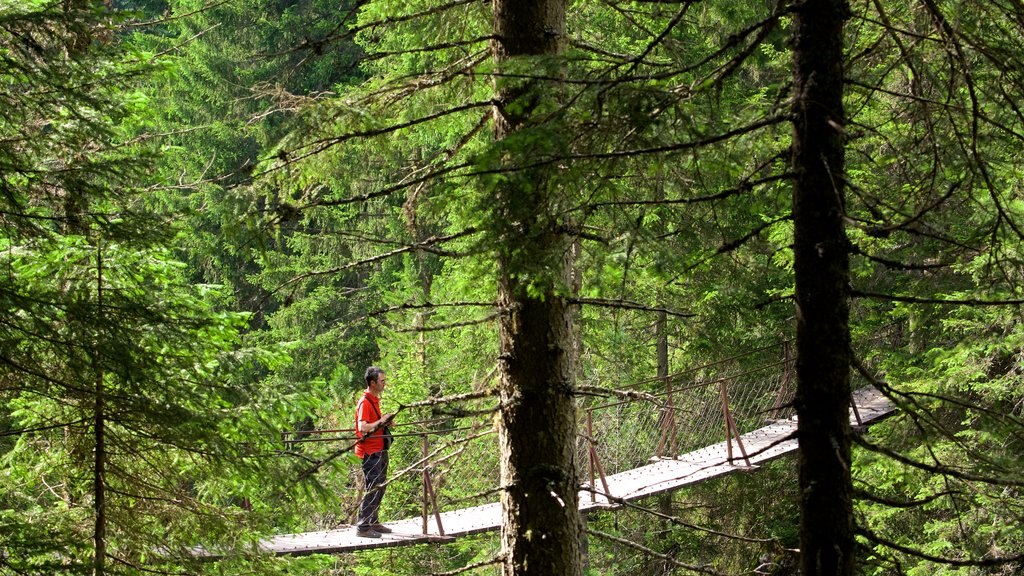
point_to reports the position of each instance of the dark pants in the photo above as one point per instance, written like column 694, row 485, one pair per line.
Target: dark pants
column 375, row 473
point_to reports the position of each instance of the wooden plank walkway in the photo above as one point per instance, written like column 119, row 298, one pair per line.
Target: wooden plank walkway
column 661, row 475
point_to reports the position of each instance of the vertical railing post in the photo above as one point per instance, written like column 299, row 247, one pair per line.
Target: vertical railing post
column 668, row 424
column 595, row 462
column 787, row 378
column 730, row 425
column 673, row 444
column 590, row 452
column 723, row 396
column 856, row 412
column 426, row 480
column 429, row 496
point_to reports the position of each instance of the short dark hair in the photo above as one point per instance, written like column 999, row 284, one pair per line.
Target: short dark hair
column 372, row 373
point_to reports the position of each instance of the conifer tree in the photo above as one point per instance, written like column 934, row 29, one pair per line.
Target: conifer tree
column 540, row 521
column 863, row 171
column 121, row 427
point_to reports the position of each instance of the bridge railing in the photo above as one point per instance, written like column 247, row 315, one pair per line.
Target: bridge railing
column 449, row 463
column 455, row 467
column 687, row 411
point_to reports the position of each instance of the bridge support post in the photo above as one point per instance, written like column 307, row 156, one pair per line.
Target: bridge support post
column 856, row 412
column 595, row 462
column 787, row 378
column 668, row 424
column 590, row 453
column 428, row 492
column 731, row 430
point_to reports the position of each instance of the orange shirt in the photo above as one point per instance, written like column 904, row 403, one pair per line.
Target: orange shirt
column 368, row 410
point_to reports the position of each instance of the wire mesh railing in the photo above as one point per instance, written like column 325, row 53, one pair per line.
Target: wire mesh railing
column 690, row 410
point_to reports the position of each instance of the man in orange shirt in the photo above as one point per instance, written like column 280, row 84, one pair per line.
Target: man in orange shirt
column 374, row 439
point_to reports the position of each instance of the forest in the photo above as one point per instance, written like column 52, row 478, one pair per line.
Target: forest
column 571, row 233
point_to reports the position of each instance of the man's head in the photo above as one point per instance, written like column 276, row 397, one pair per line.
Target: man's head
column 375, row 379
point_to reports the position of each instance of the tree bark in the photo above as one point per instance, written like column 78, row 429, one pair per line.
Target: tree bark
column 821, row 266
column 537, row 433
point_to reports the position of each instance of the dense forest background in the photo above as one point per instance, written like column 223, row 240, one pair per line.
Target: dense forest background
column 216, row 213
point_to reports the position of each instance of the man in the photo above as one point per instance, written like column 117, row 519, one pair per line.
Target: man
column 372, row 445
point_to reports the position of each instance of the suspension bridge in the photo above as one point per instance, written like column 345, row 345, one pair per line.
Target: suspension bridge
column 749, row 411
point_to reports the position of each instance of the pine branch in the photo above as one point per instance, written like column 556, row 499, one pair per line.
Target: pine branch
column 870, row 535
column 742, row 188
column 623, row 304
column 23, row 431
column 937, row 469
column 862, row 494
column 678, row 521
column 897, row 265
column 452, row 325
column 317, row 146
column 706, row 569
column 428, row 245
column 500, row 558
column 943, row 301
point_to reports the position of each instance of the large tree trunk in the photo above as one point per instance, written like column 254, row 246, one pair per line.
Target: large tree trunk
column 540, row 522
column 99, row 565
column 821, row 262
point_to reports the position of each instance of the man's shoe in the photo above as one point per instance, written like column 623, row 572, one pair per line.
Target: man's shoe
column 368, row 533
column 381, row 528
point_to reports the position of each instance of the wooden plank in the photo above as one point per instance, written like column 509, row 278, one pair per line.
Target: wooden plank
column 345, row 540
column 462, row 522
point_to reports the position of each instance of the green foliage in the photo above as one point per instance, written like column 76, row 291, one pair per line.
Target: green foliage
column 963, row 415
column 930, row 151
column 330, row 169
column 736, row 524
column 129, row 432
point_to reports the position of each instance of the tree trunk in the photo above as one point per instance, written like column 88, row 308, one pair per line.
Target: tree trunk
column 537, row 434
column 100, row 437
column 821, row 264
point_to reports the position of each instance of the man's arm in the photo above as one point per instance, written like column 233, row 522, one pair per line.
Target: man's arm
column 371, row 426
